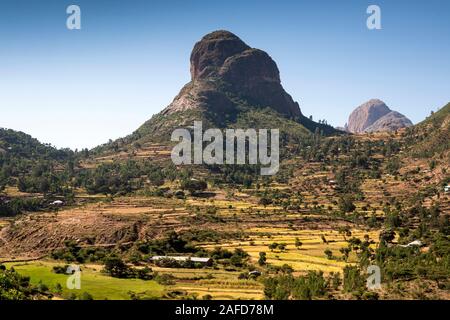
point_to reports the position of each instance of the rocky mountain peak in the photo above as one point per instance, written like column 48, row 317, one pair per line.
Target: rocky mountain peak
column 222, row 67
column 210, row 53
column 374, row 115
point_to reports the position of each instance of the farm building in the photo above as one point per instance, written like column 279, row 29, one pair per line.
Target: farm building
column 255, row 273
column 447, row 188
column 415, row 243
column 183, row 259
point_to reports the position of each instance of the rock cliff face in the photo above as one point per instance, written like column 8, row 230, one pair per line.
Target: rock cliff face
column 375, row 115
column 223, row 69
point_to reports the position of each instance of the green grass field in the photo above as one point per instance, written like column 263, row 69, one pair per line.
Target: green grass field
column 93, row 282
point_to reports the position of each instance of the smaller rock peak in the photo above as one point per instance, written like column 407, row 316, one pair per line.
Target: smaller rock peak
column 221, row 35
column 374, row 102
column 375, row 115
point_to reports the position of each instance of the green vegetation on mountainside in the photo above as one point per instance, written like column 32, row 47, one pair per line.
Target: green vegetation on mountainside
column 431, row 137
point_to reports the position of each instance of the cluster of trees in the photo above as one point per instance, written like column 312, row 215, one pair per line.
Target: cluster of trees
column 274, row 246
column 194, row 186
column 314, row 285
column 235, row 175
column 13, row 206
column 117, row 268
column 237, row 258
column 18, row 145
column 408, row 263
column 73, row 252
column 14, row 286
column 172, row 263
column 22, row 156
column 172, row 243
column 124, row 177
column 37, row 168
column 208, row 235
column 286, row 286
column 399, row 261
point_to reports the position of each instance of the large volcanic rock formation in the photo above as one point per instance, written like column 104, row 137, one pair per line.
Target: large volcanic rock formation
column 375, row 115
column 232, row 85
column 225, row 69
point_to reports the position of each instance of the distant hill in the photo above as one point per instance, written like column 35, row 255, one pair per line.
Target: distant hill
column 24, row 156
column 230, row 83
column 374, row 116
column 16, row 144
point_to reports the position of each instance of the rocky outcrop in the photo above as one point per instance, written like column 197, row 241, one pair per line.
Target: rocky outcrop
column 223, row 70
column 375, row 115
column 390, row 122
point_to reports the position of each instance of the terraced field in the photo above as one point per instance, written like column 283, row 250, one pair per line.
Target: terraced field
column 310, row 256
column 306, row 208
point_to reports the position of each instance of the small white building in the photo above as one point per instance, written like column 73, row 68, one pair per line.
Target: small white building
column 182, row 259
column 57, row 203
column 447, row 188
column 415, row 243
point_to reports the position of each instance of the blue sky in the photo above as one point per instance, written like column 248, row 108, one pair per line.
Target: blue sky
column 80, row 88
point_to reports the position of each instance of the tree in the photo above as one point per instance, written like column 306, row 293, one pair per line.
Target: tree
column 285, row 268
column 353, row 280
column 13, row 286
column 298, row 243
column 262, row 259
column 387, row 236
column 328, row 253
column 335, row 280
column 346, row 204
column 273, row 246
column 115, row 267
column 238, row 258
column 44, row 186
column 310, row 286
column 21, row 185
column 194, row 186
column 345, row 252
column 265, row 201
column 86, row 296
column 345, row 231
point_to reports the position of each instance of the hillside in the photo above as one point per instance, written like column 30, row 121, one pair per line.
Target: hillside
column 430, row 138
column 20, row 154
column 28, row 166
column 15, row 144
column 337, row 203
